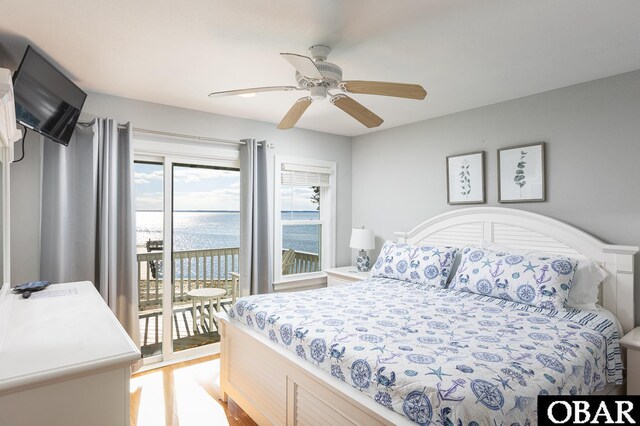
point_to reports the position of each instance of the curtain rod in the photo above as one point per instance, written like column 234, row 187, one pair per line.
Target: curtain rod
column 176, row 135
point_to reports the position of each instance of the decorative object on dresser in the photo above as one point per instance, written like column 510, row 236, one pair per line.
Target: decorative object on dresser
column 465, row 178
column 345, row 275
column 521, row 173
column 362, row 239
column 631, row 341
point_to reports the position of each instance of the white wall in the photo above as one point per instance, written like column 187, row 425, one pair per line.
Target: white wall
column 592, row 132
column 294, row 143
column 25, row 211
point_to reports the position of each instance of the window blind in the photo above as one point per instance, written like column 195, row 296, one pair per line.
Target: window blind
column 299, row 175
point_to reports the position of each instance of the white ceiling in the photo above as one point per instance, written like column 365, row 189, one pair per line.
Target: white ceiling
column 466, row 53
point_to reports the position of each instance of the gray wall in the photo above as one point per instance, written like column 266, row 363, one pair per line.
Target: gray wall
column 25, row 211
column 592, row 132
column 294, row 143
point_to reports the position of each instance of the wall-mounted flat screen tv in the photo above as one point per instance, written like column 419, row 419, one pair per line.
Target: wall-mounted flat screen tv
column 46, row 100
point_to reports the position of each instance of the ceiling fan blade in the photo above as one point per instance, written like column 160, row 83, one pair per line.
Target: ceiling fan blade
column 294, row 114
column 398, row 90
column 253, row 90
column 357, row 111
column 304, row 65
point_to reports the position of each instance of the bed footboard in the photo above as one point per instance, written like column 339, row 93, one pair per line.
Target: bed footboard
column 274, row 387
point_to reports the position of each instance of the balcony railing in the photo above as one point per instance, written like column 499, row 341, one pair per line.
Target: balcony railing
column 201, row 268
column 192, row 268
column 302, row 262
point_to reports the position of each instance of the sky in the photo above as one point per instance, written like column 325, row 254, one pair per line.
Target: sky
column 204, row 189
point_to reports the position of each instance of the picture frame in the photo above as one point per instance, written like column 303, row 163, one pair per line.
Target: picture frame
column 466, row 178
column 522, row 173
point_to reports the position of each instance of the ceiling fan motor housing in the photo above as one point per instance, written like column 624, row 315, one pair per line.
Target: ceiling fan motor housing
column 331, row 76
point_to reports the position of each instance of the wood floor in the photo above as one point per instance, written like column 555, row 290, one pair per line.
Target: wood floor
column 183, row 394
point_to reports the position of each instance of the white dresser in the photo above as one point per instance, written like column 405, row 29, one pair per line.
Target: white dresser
column 345, row 275
column 64, row 359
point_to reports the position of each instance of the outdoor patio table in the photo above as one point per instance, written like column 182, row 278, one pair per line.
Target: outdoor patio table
column 202, row 295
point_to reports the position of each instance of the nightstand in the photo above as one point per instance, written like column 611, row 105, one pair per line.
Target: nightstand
column 345, row 275
column 631, row 341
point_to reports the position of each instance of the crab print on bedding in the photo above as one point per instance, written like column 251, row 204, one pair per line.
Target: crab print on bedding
column 437, row 355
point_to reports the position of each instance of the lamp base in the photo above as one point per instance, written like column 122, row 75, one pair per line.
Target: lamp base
column 362, row 261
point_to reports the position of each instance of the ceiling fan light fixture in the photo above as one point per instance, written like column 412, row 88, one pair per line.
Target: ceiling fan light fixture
column 318, row 93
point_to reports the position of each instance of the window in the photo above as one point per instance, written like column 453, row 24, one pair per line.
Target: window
column 304, row 231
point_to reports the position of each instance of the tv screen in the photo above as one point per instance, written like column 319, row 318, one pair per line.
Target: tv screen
column 46, row 100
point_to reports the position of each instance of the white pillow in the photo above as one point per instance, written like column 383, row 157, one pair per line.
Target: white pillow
column 586, row 284
column 586, row 281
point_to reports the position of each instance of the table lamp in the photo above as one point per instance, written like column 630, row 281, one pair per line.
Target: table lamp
column 363, row 240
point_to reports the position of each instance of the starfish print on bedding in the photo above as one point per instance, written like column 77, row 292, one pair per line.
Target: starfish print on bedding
column 504, row 382
column 437, row 372
column 560, row 355
column 379, row 348
column 507, row 348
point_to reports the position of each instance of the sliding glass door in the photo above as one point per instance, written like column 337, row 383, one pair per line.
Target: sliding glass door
column 149, row 184
column 206, row 245
column 188, row 237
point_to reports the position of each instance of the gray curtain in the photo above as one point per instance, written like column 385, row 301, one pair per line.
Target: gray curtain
column 88, row 216
column 256, row 273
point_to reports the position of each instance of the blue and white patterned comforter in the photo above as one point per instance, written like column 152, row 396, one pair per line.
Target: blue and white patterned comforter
column 438, row 355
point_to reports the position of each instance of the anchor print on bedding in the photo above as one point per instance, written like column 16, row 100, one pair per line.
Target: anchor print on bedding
column 436, row 355
column 535, row 280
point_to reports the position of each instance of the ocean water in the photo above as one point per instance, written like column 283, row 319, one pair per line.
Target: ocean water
column 206, row 230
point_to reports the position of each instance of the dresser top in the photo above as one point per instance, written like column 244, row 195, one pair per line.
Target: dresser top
column 62, row 331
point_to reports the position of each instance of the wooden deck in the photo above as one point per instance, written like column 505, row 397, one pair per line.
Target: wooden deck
column 185, row 334
column 193, row 269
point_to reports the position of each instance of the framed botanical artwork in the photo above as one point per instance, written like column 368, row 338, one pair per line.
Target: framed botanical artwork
column 521, row 174
column 465, row 178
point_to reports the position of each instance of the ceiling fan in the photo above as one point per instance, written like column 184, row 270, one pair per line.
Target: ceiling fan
column 320, row 77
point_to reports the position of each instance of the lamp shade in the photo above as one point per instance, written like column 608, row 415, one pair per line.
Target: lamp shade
column 362, row 239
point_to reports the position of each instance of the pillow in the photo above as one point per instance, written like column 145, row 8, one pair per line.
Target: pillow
column 417, row 264
column 586, row 281
column 586, row 285
column 539, row 281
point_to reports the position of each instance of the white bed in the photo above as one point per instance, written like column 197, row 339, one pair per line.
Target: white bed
column 275, row 387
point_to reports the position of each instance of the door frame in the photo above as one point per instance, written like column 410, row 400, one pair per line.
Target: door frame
column 169, row 153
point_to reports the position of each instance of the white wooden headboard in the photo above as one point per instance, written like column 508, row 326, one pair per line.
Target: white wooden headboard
column 521, row 229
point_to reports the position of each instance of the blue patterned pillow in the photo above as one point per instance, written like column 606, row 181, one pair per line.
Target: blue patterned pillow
column 531, row 279
column 417, row 264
